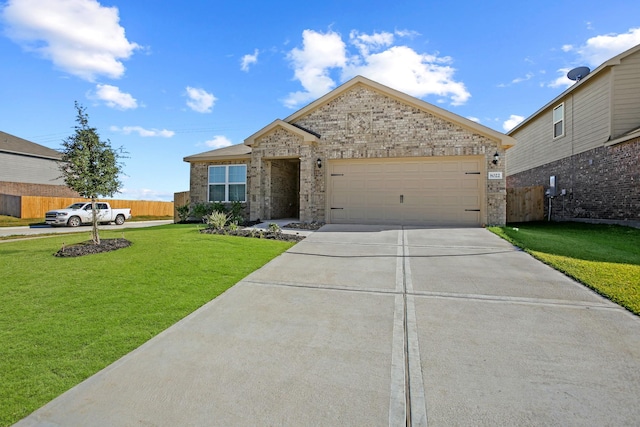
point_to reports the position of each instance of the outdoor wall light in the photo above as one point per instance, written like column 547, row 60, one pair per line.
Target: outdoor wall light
column 319, row 163
column 496, row 158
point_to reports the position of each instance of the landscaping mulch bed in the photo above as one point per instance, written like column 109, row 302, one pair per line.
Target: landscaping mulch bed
column 88, row 247
column 268, row 234
column 258, row 234
column 305, row 225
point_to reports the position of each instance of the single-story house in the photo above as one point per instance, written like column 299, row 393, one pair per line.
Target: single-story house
column 363, row 153
column 584, row 146
column 30, row 169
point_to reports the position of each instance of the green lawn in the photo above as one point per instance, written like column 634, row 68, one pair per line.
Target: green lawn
column 63, row 319
column 605, row 258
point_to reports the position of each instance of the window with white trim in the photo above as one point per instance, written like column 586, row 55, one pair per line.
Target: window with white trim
column 228, row 183
column 558, row 121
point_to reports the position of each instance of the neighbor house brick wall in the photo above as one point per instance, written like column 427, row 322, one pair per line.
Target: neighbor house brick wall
column 363, row 123
column 601, row 184
column 42, row 190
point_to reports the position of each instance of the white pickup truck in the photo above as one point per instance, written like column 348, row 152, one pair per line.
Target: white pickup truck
column 81, row 213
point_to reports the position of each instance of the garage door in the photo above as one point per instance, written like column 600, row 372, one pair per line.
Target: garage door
column 424, row 191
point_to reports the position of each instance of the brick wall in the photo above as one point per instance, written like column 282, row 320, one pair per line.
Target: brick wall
column 44, row 190
column 601, row 184
column 199, row 179
column 363, row 123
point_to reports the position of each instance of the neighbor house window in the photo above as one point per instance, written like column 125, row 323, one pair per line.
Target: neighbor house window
column 228, row 183
column 558, row 121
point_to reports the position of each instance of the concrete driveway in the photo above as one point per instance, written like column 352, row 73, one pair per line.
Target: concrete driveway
column 47, row 229
column 366, row 326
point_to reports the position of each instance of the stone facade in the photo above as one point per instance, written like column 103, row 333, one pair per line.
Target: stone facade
column 600, row 184
column 363, row 123
column 199, row 181
column 288, row 160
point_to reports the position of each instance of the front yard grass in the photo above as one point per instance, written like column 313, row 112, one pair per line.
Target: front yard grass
column 64, row 319
column 605, row 258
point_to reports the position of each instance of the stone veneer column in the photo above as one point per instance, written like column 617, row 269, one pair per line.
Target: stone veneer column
column 307, row 187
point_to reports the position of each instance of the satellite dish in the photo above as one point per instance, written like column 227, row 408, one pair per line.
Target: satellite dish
column 578, row 74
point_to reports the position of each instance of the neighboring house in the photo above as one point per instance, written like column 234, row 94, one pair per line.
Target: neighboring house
column 30, row 169
column 588, row 138
column 363, row 153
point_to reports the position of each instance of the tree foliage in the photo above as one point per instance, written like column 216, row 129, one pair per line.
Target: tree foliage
column 90, row 166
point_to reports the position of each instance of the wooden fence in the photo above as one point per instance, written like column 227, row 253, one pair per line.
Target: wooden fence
column 36, row 206
column 179, row 199
column 525, row 204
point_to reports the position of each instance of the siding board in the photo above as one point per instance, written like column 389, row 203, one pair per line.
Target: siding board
column 626, row 107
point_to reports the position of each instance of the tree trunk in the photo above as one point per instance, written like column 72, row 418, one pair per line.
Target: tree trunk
column 94, row 223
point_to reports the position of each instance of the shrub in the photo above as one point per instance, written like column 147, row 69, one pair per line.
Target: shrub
column 219, row 207
column 217, row 220
column 274, row 227
column 236, row 213
column 183, row 212
column 201, row 210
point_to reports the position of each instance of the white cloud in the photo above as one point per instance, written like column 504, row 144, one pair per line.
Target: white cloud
column 367, row 42
column 474, row 119
column 512, row 122
column 320, row 52
column 218, row 141
column 248, row 60
column 599, row 49
column 200, row 100
column 377, row 58
column 145, row 133
column 81, row 37
column 416, row 74
column 562, row 81
column 114, row 98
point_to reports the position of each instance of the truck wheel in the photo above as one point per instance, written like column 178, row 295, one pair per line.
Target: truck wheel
column 74, row 221
column 119, row 219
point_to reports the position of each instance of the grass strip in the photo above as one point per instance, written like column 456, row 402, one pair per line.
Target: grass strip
column 10, row 221
column 606, row 258
column 64, row 319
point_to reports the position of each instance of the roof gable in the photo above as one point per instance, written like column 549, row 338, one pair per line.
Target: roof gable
column 14, row 145
column 307, row 136
column 504, row 140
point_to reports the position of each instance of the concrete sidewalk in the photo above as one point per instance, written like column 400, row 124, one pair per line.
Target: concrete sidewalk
column 365, row 325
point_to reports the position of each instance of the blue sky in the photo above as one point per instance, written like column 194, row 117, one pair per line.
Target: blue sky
column 167, row 79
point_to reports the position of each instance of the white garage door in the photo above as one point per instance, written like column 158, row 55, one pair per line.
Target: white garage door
column 425, row 191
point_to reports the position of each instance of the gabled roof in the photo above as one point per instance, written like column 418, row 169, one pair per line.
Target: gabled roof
column 238, row 151
column 14, row 145
column 505, row 140
column 584, row 81
column 307, row 136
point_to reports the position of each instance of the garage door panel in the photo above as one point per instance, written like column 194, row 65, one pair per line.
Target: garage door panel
column 429, row 191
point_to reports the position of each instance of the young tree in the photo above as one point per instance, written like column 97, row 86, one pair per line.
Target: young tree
column 90, row 166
